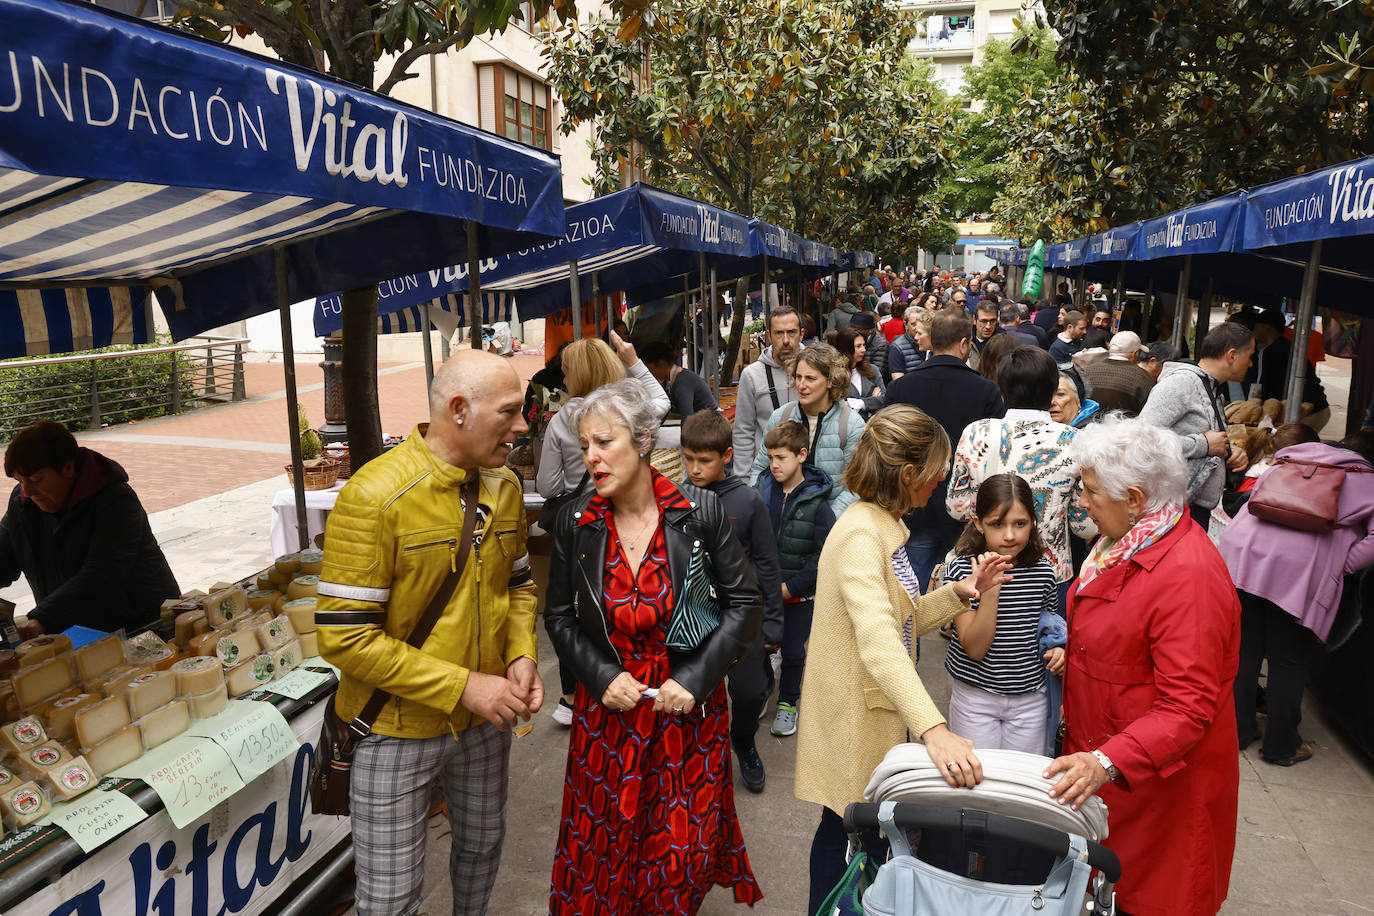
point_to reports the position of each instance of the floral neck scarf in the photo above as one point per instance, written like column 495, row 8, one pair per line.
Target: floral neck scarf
column 1147, row 530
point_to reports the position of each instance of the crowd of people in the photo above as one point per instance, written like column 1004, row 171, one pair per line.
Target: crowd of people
column 1030, row 479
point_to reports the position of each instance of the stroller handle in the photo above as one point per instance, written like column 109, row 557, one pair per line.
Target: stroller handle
column 864, row 816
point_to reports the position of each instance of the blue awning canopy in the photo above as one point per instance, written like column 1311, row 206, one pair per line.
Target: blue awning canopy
column 639, row 239
column 1113, row 245
column 1066, row 255
column 854, row 260
column 131, row 154
column 39, row 322
column 1207, row 228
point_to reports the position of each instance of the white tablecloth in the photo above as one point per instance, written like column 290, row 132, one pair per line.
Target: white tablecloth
column 318, row 505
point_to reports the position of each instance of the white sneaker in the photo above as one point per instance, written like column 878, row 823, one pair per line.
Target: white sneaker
column 563, row 712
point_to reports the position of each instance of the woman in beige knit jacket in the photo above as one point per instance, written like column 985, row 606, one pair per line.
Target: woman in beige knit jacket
column 861, row 693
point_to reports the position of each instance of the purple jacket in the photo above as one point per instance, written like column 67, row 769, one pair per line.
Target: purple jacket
column 1303, row 572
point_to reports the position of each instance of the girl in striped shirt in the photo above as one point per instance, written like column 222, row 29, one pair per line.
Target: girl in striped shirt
column 998, row 698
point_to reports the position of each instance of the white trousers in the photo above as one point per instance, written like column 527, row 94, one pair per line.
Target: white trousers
column 995, row 720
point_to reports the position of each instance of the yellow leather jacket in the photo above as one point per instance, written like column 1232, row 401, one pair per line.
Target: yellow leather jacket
column 389, row 543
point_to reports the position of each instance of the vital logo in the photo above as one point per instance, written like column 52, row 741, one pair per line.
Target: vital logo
column 376, row 152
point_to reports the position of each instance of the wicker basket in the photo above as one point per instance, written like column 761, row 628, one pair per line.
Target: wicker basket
column 320, row 478
column 339, row 452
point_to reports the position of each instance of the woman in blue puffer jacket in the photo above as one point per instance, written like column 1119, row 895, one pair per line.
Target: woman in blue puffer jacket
column 821, row 377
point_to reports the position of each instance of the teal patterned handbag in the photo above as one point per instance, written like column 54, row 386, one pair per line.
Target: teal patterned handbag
column 696, row 611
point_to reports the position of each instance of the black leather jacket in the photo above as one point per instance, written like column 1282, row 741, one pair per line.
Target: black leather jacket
column 575, row 615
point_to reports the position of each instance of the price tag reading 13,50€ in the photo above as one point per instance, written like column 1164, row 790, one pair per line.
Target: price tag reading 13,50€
column 190, row 775
column 254, row 735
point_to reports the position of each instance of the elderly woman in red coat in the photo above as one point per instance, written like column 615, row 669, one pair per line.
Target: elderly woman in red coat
column 1154, row 637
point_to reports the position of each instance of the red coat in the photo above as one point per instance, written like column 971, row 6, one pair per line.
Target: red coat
column 1153, row 650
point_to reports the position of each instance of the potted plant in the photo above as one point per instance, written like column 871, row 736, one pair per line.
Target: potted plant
column 321, row 471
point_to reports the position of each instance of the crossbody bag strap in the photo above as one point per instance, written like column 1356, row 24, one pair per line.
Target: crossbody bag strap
column 361, row 726
column 772, row 389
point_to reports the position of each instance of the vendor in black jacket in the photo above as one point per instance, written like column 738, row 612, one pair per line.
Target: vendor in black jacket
column 76, row 530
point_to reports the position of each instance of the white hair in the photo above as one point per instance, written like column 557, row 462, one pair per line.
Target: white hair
column 625, row 403
column 1132, row 453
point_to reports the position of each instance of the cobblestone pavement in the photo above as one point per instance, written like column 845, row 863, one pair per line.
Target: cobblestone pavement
column 208, row 479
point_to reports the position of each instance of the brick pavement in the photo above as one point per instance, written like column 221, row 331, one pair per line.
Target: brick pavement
column 230, row 445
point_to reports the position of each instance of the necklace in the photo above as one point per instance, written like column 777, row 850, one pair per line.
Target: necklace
column 631, row 543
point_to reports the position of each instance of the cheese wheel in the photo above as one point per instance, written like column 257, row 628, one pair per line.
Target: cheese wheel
column 25, row 803
column 60, row 721
column 278, row 578
column 124, row 746
column 276, row 632
column 310, row 644
column 18, row 737
column 286, row 659
column 148, row 692
column 249, row 676
column 36, row 683
column 71, row 779
column 7, row 778
column 288, row 563
column 312, row 562
column 42, row 710
column 42, row 648
column 110, row 678
column 96, row 723
column 39, row 760
column 236, row 647
column 303, row 587
column 260, row 598
column 210, row 703
column 164, row 723
column 255, row 620
column 204, row 643
column 146, row 649
column 302, row 614
column 197, row 674
column 95, row 659
column 223, row 606
column 185, row 626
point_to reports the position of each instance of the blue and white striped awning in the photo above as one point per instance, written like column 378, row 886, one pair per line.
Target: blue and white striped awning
column 639, row 240
column 36, row 322
column 131, row 154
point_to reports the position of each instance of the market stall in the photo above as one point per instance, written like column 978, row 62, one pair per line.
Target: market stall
column 136, row 157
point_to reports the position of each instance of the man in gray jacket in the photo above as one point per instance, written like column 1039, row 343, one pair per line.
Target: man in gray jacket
column 1188, row 400
column 764, row 386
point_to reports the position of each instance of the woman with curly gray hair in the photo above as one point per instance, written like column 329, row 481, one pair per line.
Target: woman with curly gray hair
column 649, row 816
column 1154, row 641
column 821, row 377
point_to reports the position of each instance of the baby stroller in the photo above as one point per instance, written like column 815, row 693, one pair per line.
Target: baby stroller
column 1009, row 808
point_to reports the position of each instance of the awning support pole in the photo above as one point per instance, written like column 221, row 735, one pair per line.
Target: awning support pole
column 596, row 305
column 1120, row 296
column 1204, row 317
column 1302, row 332
column 474, row 285
column 293, row 432
column 689, row 322
column 1181, row 311
column 575, row 289
column 429, row 345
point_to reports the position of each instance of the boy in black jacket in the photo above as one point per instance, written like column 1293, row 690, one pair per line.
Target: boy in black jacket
column 706, row 457
column 797, row 498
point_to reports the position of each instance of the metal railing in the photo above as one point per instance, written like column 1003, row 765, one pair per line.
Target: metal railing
column 97, row 389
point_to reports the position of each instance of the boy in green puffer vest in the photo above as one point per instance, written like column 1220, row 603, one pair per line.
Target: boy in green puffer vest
column 798, row 499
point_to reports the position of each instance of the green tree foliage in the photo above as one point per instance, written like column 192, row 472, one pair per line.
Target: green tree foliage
column 996, row 86
column 1169, row 102
column 803, row 112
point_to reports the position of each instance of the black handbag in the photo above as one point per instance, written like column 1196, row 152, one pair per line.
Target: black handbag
column 554, row 505
column 330, row 772
column 697, row 611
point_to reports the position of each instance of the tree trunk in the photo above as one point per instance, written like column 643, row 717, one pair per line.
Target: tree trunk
column 360, row 375
column 727, row 370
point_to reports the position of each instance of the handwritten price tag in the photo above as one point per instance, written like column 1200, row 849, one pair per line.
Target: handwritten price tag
column 190, row 775
column 254, row 735
column 298, row 683
column 97, row 817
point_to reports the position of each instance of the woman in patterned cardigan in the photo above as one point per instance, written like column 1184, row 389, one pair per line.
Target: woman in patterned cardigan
column 1028, row 443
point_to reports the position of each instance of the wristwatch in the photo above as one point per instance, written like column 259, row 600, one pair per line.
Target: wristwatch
column 1112, row 771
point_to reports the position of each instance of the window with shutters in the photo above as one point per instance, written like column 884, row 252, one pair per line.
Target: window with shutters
column 515, row 105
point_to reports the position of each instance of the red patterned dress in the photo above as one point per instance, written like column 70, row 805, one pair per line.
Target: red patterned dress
column 649, row 820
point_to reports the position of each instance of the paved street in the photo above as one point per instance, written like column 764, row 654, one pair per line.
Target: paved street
column 208, row 479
